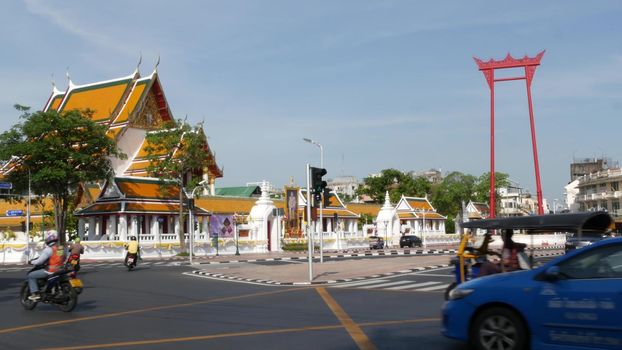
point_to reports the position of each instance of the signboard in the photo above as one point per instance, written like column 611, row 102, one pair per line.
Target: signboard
column 6, row 185
column 291, row 211
column 14, row 213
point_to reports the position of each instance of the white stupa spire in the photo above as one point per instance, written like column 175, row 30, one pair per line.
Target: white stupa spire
column 387, row 201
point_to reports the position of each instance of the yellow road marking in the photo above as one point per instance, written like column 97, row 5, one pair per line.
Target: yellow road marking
column 236, row 334
column 155, row 308
column 357, row 334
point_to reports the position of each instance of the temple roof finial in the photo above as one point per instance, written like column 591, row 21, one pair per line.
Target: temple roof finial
column 68, row 77
column 140, row 60
column 155, row 69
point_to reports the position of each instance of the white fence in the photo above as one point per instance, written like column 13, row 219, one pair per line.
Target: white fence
column 167, row 245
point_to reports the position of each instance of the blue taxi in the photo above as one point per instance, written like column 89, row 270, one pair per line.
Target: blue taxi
column 572, row 302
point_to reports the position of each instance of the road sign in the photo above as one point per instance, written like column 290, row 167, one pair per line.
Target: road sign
column 6, row 185
column 14, row 213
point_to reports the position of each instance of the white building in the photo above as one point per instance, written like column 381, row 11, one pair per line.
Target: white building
column 344, row 185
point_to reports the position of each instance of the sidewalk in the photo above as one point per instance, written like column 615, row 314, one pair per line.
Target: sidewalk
column 294, row 270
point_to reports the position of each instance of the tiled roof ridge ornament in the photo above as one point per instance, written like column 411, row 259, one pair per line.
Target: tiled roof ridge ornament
column 71, row 84
column 510, row 62
column 155, row 69
column 140, row 60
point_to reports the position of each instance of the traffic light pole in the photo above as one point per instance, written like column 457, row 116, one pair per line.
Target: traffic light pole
column 309, row 226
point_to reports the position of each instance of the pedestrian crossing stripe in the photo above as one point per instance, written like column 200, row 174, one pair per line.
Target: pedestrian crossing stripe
column 414, row 285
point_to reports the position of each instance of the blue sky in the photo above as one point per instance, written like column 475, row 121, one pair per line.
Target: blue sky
column 379, row 83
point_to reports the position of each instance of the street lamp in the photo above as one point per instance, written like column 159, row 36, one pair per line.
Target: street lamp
column 321, row 202
column 386, row 233
column 190, row 219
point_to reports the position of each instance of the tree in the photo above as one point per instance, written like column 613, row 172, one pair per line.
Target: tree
column 455, row 188
column 57, row 152
column 396, row 182
column 178, row 152
column 482, row 188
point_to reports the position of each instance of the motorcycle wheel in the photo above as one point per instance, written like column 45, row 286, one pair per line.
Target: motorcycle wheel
column 23, row 298
column 78, row 290
column 70, row 304
column 130, row 267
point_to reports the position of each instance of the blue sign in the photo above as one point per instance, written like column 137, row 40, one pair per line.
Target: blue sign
column 6, row 185
column 14, row 213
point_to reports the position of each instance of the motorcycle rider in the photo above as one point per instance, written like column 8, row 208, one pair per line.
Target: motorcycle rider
column 132, row 249
column 511, row 250
column 54, row 256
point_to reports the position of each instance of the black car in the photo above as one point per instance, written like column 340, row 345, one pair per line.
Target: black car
column 376, row 242
column 410, row 241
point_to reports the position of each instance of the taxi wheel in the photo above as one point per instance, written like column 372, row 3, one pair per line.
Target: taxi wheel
column 498, row 328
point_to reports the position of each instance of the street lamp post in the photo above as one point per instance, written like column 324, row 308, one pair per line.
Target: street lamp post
column 386, row 234
column 321, row 202
column 190, row 218
column 237, row 234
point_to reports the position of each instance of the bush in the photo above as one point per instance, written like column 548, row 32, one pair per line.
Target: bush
column 297, row 247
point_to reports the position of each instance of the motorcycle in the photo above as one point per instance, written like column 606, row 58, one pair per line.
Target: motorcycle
column 73, row 264
column 131, row 261
column 58, row 289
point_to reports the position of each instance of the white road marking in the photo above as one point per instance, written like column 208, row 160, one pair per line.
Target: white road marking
column 442, row 286
column 360, row 283
column 381, row 285
column 414, row 285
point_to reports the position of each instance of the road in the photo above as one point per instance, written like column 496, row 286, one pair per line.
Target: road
column 156, row 306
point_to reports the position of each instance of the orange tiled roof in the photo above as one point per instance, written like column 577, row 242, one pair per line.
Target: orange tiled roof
column 102, row 98
column 406, row 215
column 361, row 208
column 148, row 188
column 339, row 212
column 135, row 96
column 430, row 215
column 55, row 102
column 102, row 208
column 226, row 205
column 419, row 203
column 152, row 207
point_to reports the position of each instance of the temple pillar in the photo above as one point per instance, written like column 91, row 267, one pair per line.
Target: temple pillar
column 155, row 227
column 111, row 227
column 91, row 232
column 212, row 186
column 123, row 227
column 81, row 227
column 205, row 191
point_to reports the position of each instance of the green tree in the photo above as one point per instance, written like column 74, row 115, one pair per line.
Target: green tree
column 57, row 152
column 482, row 188
column 456, row 187
column 396, row 182
column 178, row 152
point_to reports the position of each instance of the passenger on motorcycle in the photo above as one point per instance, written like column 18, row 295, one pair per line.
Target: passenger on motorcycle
column 132, row 249
column 511, row 251
column 54, row 256
column 75, row 250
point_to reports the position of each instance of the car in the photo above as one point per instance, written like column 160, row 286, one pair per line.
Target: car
column 574, row 241
column 376, row 242
column 410, row 241
column 571, row 302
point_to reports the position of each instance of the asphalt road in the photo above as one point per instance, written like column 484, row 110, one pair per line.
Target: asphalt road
column 158, row 307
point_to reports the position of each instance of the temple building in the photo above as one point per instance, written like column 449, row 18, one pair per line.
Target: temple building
column 132, row 202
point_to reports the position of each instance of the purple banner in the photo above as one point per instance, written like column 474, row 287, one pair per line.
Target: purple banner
column 221, row 225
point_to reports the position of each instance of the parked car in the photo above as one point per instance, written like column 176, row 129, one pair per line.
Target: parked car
column 376, row 242
column 572, row 302
column 410, row 241
column 573, row 241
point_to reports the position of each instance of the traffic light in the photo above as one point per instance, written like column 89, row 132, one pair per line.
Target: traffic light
column 327, row 197
column 317, row 183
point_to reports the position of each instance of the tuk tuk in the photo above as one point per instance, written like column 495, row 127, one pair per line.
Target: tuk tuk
column 469, row 258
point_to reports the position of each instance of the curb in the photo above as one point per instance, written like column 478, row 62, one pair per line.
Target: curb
column 337, row 256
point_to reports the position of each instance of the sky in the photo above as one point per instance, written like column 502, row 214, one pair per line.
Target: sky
column 380, row 84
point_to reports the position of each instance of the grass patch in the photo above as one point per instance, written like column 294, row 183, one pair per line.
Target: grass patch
column 183, row 254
